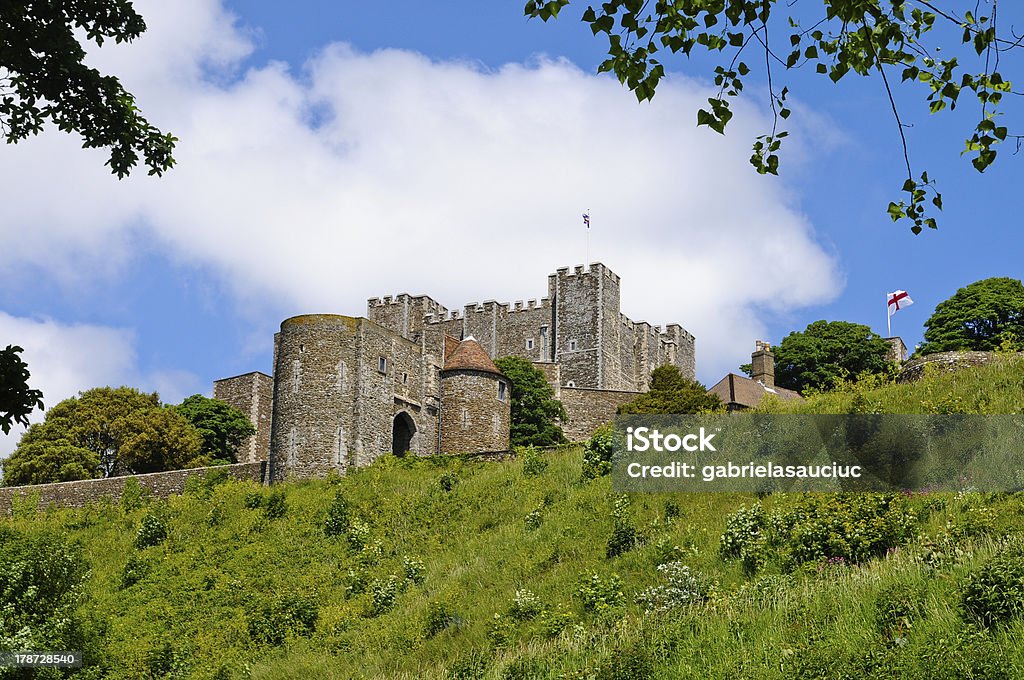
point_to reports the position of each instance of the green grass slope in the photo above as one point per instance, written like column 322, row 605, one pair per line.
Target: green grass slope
column 524, row 569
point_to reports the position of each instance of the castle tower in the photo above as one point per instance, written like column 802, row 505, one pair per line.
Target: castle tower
column 475, row 402
column 587, row 326
column 252, row 394
column 315, row 396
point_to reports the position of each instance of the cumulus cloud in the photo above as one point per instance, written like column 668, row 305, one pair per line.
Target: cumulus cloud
column 363, row 174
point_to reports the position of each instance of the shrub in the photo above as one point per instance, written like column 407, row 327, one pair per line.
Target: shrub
column 355, row 582
column 599, row 595
column 533, row 461
column 440, row 616
column 383, row 594
column 153, row 528
column 500, row 631
column 525, row 605
column 358, row 534
column 624, row 536
column 133, row 496
column 897, row 606
column 827, row 528
column 681, row 588
column 289, row 614
column 553, row 622
column 995, row 593
column 337, row 522
column 253, row 499
column 448, row 480
column 632, row 662
column 597, row 453
column 534, row 518
column 276, row 506
column 135, row 569
column 414, row 570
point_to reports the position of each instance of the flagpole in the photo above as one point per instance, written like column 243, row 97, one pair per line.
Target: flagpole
column 888, row 316
column 587, row 260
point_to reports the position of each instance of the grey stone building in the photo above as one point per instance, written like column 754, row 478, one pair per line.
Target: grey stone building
column 415, row 377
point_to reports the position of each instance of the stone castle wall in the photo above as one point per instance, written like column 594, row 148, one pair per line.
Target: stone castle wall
column 589, row 409
column 944, row 361
column 159, row 484
column 253, row 395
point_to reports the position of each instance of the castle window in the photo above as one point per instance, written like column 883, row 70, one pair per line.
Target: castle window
column 382, row 365
column 529, row 343
column 405, row 378
column 572, row 345
column 465, row 419
column 570, row 384
column 501, row 391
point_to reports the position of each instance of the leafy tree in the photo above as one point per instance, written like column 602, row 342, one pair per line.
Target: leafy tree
column 671, row 393
column 889, row 39
column 43, row 78
column 985, row 315
column 222, row 426
column 534, row 407
column 17, row 399
column 104, row 432
column 828, row 351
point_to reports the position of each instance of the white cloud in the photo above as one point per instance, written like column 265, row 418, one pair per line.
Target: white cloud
column 368, row 174
column 65, row 359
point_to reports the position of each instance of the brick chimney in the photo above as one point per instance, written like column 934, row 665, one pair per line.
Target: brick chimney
column 762, row 363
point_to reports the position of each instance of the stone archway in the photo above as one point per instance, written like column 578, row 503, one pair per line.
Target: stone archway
column 402, row 432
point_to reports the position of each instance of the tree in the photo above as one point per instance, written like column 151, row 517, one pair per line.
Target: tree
column 671, row 393
column 43, row 78
column 104, row 432
column 828, row 351
column 888, row 38
column 535, row 411
column 17, row 399
column 222, row 426
column 986, row 315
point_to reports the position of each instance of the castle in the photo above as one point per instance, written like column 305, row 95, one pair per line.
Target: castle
column 415, row 377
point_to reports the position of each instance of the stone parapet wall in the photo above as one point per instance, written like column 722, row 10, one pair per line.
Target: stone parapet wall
column 944, row 361
column 159, row 484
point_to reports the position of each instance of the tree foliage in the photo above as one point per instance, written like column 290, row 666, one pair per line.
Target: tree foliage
column 889, row 39
column 104, row 432
column 535, row 411
column 829, row 351
column 671, row 393
column 222, row 426
column 986, row 315
column 17, row 399
column 44, row 79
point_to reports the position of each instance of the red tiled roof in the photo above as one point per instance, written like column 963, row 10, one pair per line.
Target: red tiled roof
column 739, row 390
column 469, row 355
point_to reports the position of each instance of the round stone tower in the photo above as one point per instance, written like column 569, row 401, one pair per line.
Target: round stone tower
column 475, row 402
column 314, row 396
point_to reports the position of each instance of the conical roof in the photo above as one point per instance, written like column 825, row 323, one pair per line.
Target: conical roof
column 470, row 356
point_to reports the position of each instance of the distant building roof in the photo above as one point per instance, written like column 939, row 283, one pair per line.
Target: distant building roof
column 470, row 356
column 739, row 391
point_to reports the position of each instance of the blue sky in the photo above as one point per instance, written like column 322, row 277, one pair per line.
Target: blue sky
column 330, row 153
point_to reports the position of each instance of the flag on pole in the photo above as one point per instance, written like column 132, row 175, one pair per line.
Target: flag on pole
column 586, row 219
column 898, row 300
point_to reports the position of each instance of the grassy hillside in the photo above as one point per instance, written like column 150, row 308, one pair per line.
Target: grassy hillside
column 523, row 569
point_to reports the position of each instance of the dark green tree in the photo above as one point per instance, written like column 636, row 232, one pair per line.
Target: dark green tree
column 828, row 351
column 891, row 40
column 986, row 315
column 44, row 79
column 535, row 411
column 17, row 399
column 222, row 426
column 124, row 431
column 670, row 393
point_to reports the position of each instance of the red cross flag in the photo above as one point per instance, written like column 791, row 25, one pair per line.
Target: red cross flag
column 896, row 301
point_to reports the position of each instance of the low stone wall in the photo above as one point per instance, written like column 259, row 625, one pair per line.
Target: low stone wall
column 945, row 361
column 160, row 484
column 589, row 409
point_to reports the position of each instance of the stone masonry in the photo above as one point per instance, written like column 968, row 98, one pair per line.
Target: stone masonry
column 253, row 395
